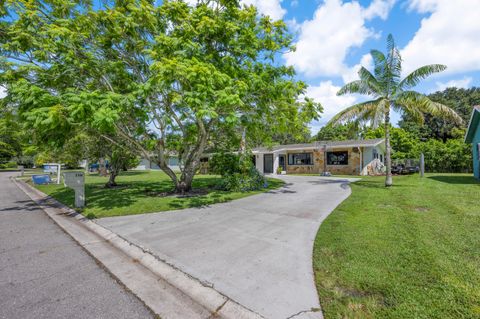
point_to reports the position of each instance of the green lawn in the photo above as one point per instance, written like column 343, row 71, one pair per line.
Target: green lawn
column 138, row 193
column 411, row 251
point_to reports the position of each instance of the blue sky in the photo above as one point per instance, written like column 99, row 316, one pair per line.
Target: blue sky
column 334, row 37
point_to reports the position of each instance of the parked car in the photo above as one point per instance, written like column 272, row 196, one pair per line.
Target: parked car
column 402, row 169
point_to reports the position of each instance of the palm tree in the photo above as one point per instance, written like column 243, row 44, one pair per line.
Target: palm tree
column 389, row 92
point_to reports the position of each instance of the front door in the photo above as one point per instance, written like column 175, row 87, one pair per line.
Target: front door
column 281, row 162
column 268, row 163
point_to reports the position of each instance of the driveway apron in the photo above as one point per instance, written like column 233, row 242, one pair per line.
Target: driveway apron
column 256, row 250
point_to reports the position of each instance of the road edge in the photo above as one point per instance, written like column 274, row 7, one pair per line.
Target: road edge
column 217, row 304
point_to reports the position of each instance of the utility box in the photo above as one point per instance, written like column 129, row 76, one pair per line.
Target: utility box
column 76, row 181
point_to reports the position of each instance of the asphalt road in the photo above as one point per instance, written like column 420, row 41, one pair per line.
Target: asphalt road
column 45, row 274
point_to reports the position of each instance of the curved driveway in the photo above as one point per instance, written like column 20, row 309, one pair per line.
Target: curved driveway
column 256, row 250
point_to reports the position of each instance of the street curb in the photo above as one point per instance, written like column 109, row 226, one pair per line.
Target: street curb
column 219, row 305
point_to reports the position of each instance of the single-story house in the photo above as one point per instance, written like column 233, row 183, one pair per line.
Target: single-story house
column 351, row 157
column 146, row 164
column 473, row 137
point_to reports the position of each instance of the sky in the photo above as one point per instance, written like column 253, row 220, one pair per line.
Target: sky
column 334, row 38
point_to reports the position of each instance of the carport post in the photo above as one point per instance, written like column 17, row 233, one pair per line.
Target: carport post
column 422, row 165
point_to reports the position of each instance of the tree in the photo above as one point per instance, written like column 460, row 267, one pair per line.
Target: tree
column 390, row 92
column 119, row 158
column 459, row 99
column 144, row 73
column 404, row 144
column 347, row 131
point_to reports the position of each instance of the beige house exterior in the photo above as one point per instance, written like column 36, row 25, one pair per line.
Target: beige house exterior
column 351, row 157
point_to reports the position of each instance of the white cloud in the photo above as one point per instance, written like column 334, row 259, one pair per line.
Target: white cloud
column 326, row 94
column 450, row 36
column 423, row 6
column 460, row 83
column 379, row 8
column 271, row 8
column 3, row 92
column 334, row 30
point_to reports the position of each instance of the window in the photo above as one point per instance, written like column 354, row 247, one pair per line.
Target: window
column 337, row 158
column 173, row 161
column 300, row 159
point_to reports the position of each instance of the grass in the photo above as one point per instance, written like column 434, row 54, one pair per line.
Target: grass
column 411, row 251
column 137, row 194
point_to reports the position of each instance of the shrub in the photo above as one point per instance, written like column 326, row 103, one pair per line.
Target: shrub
column 454, row 156
column 241, row 182
column 9, row 165
column 224, row 164
column 238, row 173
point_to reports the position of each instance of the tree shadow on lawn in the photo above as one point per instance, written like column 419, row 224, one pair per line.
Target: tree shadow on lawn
column 380, row 184
column 455, row 179
column 128, row 193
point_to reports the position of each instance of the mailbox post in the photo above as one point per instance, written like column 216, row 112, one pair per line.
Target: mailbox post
column 76, row 180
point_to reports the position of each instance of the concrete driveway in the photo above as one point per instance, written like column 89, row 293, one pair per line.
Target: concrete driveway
column 256, row 250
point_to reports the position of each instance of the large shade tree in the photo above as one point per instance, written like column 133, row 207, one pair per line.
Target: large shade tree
column 164, row 79
column 388, row 91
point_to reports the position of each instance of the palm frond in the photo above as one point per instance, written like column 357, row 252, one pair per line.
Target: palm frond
column 390, row 42
column 353, row 88
column 379, row 63
column 419, row 74
column 359, row 87
column 406, row 106
column 379, row 116
column 394, row 62
column 414, row 103
column 360, row 111
column 367, row 77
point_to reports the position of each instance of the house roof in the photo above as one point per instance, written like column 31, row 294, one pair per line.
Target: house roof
column 320, row 144
column 473, row 124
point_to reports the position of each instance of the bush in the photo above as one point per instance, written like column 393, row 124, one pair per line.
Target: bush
column 238, row 173
column 224, row 164
column 454, row 156
column 9, row 165
column 241, row 182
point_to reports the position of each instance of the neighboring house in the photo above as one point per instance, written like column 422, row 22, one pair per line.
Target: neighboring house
column 353, row 157
column 145, row 164
column 473, row 137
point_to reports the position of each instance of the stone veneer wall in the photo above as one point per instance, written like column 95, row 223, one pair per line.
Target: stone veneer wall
column 353, row 167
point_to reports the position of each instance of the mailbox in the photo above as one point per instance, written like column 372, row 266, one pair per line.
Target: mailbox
column 76, row 180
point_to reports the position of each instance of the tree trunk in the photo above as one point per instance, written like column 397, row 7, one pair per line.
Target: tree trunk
column 184, row 185
column 388, row 150
column 243, row 142
column 111, row 180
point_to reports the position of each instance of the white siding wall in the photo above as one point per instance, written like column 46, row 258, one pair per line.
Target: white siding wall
column 367, row 155
column 276, row 162
column 259, row 162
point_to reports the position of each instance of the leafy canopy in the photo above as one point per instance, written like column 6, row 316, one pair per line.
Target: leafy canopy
column 167, row 79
